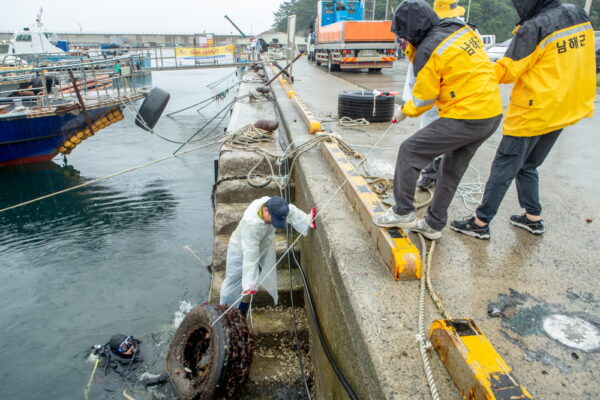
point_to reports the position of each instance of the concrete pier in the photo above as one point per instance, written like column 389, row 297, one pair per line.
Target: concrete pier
column 511, row 286
column 370, row 320
column 275, row 371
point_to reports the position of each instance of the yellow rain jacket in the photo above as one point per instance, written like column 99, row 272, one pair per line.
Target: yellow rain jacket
column 451, row 66
column 552, row 63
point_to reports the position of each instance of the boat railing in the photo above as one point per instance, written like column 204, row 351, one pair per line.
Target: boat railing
column 115, row 79
column 160, row 57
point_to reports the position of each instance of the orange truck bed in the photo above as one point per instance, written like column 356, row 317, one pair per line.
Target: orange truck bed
column 356, row 31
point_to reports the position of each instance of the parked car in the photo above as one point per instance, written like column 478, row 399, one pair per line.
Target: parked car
column 497, row 52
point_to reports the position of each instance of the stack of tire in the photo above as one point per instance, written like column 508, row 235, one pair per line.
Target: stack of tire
column 207, row 361
column 372, row 106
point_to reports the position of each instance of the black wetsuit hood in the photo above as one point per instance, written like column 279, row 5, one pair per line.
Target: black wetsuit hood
column 413, row 20
column 528, row 9
column 114, row 343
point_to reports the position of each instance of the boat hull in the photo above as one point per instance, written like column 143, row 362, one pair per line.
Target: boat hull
column 26, row 140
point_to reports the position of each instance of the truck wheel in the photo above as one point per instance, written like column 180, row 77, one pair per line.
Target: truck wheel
column 331, row 67
column 210, row 362
column 361, row 104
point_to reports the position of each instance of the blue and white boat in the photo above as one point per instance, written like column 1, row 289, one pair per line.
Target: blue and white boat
column 65, row 106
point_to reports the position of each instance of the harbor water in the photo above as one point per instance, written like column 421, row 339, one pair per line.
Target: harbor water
column 108, row 258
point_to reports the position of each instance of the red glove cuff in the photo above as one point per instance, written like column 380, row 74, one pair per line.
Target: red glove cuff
column 313, row 214
column 248, row 292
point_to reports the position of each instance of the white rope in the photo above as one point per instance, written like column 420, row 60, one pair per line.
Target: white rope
column 471, row 192
column 347, row 121
column 421, row 338
column 93, row 181
column 319, row 211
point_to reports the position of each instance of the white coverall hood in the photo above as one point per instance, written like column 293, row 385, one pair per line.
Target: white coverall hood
column 251, row 253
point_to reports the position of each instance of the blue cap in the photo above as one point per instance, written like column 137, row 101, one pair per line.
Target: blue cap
column 278, row 209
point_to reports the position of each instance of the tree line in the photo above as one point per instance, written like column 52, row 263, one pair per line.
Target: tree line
column 496, row 17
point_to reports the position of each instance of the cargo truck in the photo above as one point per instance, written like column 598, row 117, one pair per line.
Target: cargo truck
column 344, row 40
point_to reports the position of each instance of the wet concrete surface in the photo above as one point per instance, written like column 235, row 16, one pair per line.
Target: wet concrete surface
column 554, row 274
column 573, row 159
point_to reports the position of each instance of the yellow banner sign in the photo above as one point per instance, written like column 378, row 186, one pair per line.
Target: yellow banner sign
column 204, row 52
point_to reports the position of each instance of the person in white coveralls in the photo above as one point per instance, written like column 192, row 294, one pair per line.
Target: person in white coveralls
column 251, row 251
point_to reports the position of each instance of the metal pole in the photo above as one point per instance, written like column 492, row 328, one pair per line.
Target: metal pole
column 374, row 4
column 468, row 10
column 387, row 7
column 588, row 6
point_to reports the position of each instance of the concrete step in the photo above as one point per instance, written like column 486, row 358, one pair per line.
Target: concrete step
column 239, row 191
column 272, row 325
column 275, row 372
column 262, row 298
column 220, row 251
column 275, row 391
column 240, row 162
column 228, row 216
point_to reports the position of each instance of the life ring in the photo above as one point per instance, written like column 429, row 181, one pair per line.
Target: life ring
column 207, row 362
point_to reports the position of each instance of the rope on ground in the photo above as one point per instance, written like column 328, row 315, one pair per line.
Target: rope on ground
column 347, row 121
column 89, row 384
column 93, row 181
column 421, row 337
column 426, row 285
column 471, row 192
column 383, row 186
column 432, row 292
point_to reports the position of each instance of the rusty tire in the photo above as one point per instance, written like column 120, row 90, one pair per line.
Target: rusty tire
column 207, row 362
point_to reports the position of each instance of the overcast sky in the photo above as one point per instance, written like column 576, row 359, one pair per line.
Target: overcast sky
column 168, row 16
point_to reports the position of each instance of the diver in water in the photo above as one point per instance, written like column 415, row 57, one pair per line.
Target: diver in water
column 123, row 355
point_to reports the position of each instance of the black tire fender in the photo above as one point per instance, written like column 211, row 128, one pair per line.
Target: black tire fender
column 152, row 108
column 207, row 362
column 361, row 104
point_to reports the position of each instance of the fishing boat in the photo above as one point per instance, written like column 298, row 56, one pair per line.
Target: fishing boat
column 64, row 106
column 32, row 41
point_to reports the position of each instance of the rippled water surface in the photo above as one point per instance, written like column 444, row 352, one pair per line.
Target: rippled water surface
column 107, row 258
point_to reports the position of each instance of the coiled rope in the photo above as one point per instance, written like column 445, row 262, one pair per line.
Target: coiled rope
column 347, row 121
column 248, row 137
